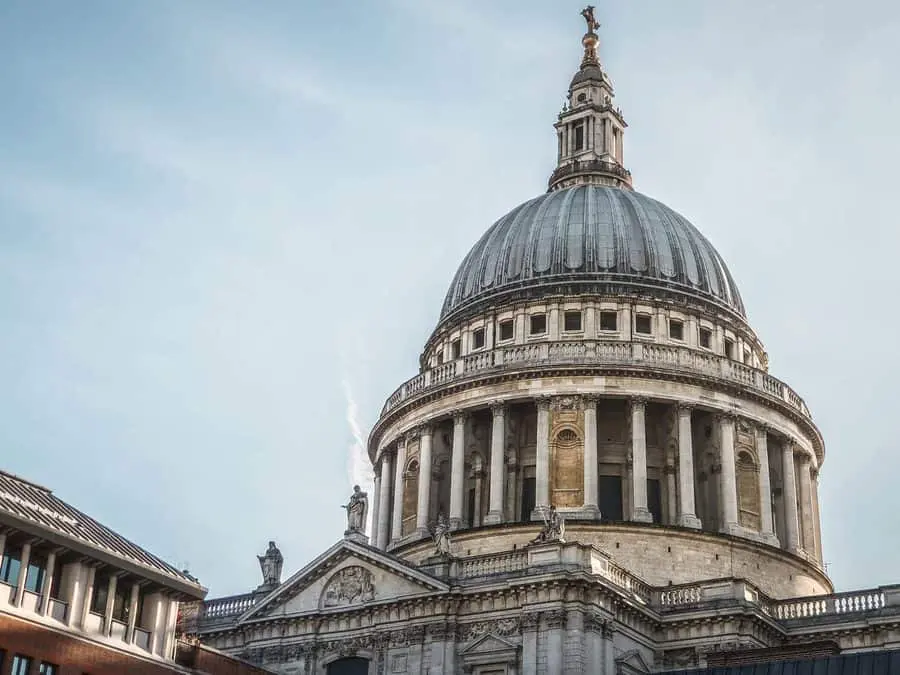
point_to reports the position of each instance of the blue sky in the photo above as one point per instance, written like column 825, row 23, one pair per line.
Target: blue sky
column 218, row 218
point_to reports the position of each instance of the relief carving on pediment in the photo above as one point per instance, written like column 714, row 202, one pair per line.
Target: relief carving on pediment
column 349, row 586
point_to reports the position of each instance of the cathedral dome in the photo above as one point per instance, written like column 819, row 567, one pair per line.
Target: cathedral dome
column 592, row 239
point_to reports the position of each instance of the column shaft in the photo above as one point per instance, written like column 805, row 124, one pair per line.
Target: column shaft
column 639, row 510
column 376, row 507
column 110, row 603
column 728, row 475
column 88, row 595
column 805, row 511
column 423, row 502
column 384, row 508
column 397, row 514
column 789, row 495
column 47, row 586
column 457, row 471
column 767, row 526
column 498, row 441
column 687, row 515
column 23, row 574
column 132, row 612
column 542, row 455
column 591, row 467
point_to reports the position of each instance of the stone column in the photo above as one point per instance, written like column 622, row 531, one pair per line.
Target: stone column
column 384, row 501
column 74, row 574
column 498, row 440
column 805, row 511
column 530, row 622
column 47, row 586
column 639, row 510
column 670, row 473
column 767, row 527
column 397, row 513
column 542, row 455
column 457, row 471
column 789, row 497
column 817, row 523
column 110, row 602
column 423, row 502
column 728, row 476
column 23, row 573
column 555, row 621
column 687, row 512
column 591, row 479
column 376, row 507
column 132, row 612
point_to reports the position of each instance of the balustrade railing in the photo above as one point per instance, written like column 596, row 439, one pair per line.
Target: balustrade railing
column 825, row 605
column 499, row 563
column 230, row 606
column 681, row 595
column 665, row 357
column 626, row 580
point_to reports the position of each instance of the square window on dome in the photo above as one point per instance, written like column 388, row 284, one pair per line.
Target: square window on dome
column 538, row 324
column 642, row 324
column 506, row 330
column 676, row 329
column 729, row 348
column 705, row 338
column 572, row 321
column 609, row 321
column 455, row 349
column 478, row 338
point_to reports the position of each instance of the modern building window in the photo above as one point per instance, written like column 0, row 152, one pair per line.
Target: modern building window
column 21, row 665
column 676, row 329
column 9, row 566
column 609, row 321
column 121, row 603
column 642, row 324
column 705, row 338
column 506, row 329
column 478, row 338
column 572, row 321
column 455, row 349
column 538, row 324
column 729, row 348
column 101, row 591
column 34, row 578
column 49, row 669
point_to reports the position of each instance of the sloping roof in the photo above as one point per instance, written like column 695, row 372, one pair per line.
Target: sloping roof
column 37, row 510
column 866, row 663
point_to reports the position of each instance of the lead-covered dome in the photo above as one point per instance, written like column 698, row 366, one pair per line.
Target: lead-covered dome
column 591, row 239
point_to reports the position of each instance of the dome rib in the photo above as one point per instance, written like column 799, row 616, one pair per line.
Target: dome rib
column 592, row 235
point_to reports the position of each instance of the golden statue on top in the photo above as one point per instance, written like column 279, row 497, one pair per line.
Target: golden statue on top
column 588, row 14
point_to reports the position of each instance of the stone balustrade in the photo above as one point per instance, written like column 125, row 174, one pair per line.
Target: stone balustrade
column 639, row 355
column 497, row 563
column 830, row 605
column 233, row 605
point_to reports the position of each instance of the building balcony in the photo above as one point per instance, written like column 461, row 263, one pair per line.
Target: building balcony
column 600, row 354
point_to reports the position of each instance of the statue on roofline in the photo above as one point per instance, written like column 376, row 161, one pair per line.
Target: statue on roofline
column 357, row 508
column 270, row 564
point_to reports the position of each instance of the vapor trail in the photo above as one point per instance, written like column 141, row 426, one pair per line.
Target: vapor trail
column 359, row 470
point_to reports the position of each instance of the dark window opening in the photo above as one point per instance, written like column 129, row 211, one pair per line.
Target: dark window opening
column 21, row 665
column 121, row 604
column 440, row 358
column 609, row 498
column 506, row 330
column 747, row 357
column 579, row 137
column 609, row 321
column 34, row 577
column 455, row 349
column 471, row 506
column 729, row 348
column 101, row 592
column 9, row 567
column 572, row 321
column 705, row 338
column 350, row 666
column 642, row 324
column 478, row 338
column 676, row 329
column 528, row 499
column 654, row 499
column 538, row 324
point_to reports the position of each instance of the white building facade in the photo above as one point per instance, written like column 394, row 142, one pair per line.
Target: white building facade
column 593, row 355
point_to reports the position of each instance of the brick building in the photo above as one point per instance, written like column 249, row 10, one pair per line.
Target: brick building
column 77, row 598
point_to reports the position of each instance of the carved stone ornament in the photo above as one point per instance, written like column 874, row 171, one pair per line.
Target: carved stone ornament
column 555, row 619
column 530, row 620
column 500, row 628
column 349, row 586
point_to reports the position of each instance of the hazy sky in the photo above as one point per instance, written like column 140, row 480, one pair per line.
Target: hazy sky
column 219, row 217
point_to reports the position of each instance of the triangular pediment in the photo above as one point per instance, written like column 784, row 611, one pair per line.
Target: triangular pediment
column 345, row 576
column 489, row 644
column 631, row 663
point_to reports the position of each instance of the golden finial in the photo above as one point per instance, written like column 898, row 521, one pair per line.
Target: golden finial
column 590, row 38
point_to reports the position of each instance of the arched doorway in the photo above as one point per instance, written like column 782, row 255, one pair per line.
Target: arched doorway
column 349, row 666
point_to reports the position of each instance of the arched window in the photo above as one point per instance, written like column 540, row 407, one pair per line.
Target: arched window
column 748, row 491
column 567, row 468
column 351, row 666
column 410, row 496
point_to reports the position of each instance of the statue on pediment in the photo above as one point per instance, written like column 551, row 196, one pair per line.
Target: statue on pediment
column 554, row 527
column 270, row 564
column 357, row 508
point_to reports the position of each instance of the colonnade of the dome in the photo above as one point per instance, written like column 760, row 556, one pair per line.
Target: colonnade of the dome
column 600, row 458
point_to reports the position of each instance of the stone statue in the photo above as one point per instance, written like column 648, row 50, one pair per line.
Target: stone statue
column 588, row 14
column 271, row 564
column 440, row 533
column 357, row 508
column 554, row 528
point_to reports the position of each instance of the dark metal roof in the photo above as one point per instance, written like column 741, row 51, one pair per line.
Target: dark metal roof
column 867, row 663
column 31, row 507
column 595, row 236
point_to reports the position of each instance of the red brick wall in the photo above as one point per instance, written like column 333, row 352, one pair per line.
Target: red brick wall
column 75, row 656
